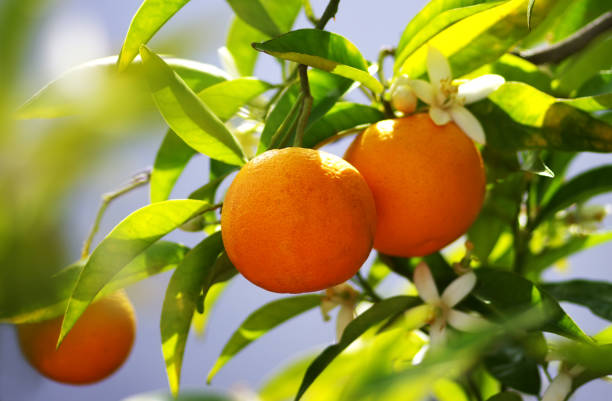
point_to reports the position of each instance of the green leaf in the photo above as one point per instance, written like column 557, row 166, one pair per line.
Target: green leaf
column 82, row 87
column 441, row 14
column 514, row 68
column 226, row 98
column 513, row 367
column 342, row 116
column 377, row 273
column 238, row 43
column 529, row 12
column 595, row 295
column 506, row 294
column 149, row 18
column 506, row 396
column 326, row 90
column 324, row 50
column 196, row 270
column 189, row 395
column 535, row 264
column 132, row 236
column 476, row 40
column 376, row 314
column 260, row 322
column 269, row 16
column 577, row 190
column 599, row 84
column 159, row 257
column 172, row 157
column 187, row 115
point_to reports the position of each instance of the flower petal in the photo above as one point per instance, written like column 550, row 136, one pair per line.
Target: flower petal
column 423, row 89
column 468, row 123
column 479, row 88
column 346, row 314
column 439, row 116
column 458, row 289
column 425, row 283
column 465, row 322
column 559, row 388
column 437, row 332
column 437, row 66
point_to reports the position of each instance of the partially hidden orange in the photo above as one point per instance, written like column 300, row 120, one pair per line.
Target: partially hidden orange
column 298, row 220
column 428, row 182
column 97, row 345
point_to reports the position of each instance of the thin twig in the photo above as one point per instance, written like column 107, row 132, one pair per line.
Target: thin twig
column 136, row 181
column 329, row 13
column 367, row 287
column 382, row 55
column 309, row 12
column 572, row 44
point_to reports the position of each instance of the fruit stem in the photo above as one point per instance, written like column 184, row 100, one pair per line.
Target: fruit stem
column 329, row 13
column 136, row 181
column 367, row 288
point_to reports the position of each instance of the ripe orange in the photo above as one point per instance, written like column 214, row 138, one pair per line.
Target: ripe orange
column 298, row 220
column 98, row 344
column 428, row 182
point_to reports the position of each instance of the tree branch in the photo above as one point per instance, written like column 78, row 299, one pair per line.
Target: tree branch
column 572, row 44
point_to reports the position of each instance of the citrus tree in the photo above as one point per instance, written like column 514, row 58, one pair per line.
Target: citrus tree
column 466, row 139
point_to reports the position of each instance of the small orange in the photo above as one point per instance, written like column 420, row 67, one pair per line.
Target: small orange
column 97, row 345
column 298, row 220
column 428, row 182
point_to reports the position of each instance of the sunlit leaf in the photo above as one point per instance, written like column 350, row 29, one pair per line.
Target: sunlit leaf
column 262, row 321
column 595, row 295
column 172, row 157
column 324, row 50
column 187, row 115
column 269, row 16
column 159, row 257
column 132, row 236
column 226, row 98
column 373, row 316
column 149, row 18
column 195, row 271
column 238, row 43
column 514, row 68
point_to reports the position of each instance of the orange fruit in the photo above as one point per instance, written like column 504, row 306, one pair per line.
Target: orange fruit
column 97, row 345
column 428, row 182
column 298, row 220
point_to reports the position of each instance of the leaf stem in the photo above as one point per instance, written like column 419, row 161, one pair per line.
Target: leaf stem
column 382, row 55
column 278, row 136
column 329, row 13
column 367, row 287
column 306, row 104
column 309, row 12
column 136, row 181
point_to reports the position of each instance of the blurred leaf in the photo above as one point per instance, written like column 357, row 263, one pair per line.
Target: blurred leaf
column 598, row 84
column 260, row 322
column 577, row 190
column 238, row 43
column 576, row 70
column 596, row 359
column 200, row 320
column 442, row 13
column 189, row 395
column 326, row 90
column 187, row 115
column 506, row 396
column 85, row 86
column 373, row 316
column 535, row 264
column 558, row 163
column 284, row 383
column 342, row 116
column 269, row 16
column 226, row 98
column 511, row 365
column 324, row 50
column 159, row 257
column 207, row 191
column 529, row 11
column 150, row 17
column 514, row 68
column 180, row 301
column 476, row 40
column 377, row 273
column 595, row 295
column 506, row 294
column 172, row 157
column 128, row 239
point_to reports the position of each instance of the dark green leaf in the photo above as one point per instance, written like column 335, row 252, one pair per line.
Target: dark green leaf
column 373, row 316
column 189, row 395
column 159, row 257
column 324, row 50
column 342, row 116
column 579, row 189
column 506, row 396
column 595, row 295
column 506, row 294
column 269, row 16
column 180, row 301
column 187, row 115
column 599, row 84
column 172, row 157
column 151, row 16
column 514, row 368
column 262, row 321
column 127, row 240
column 238, row 43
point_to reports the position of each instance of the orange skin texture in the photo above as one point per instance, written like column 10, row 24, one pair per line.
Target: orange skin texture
column 98, row 344
column 298, row 220
column 428, row 182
